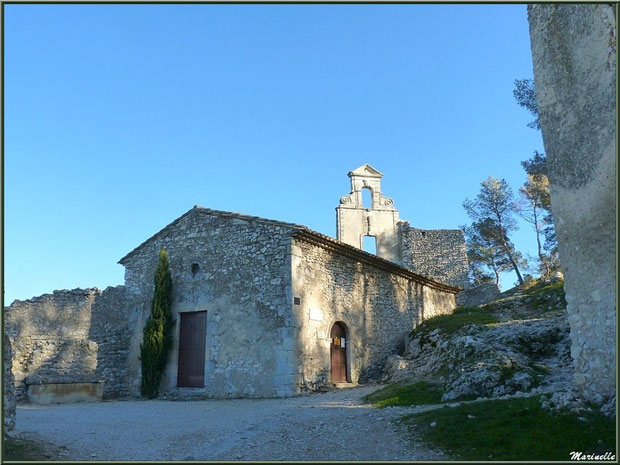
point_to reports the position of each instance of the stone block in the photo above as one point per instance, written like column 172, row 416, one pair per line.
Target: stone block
column 62, row 393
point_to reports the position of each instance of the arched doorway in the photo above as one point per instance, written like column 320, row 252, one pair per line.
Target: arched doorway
column 338, row 353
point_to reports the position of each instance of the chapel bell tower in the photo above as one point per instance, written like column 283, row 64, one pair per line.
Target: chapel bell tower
column 378, row 220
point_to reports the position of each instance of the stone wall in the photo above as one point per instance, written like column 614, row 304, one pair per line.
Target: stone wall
column 439, row 254
column 574, row 55
column 378, row 308
column 236, row 268
column 10, row 400
column 482, row 294
column 70, row 336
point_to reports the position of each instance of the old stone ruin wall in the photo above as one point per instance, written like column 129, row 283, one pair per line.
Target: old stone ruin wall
column 10, row 400
column 439, row 254
column 70, row 337
column 478, row 295
column 574, row 55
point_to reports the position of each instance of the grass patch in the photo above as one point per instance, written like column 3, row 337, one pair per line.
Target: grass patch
column 420, row 393
column 448, row 324
column 544, row 295
column 513, row 429
column 27, row 450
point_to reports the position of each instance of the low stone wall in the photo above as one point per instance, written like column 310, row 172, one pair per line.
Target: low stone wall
column 439, row 254
column 70, row 334
column 482, row 294
column 10, row 400
column 45, row 355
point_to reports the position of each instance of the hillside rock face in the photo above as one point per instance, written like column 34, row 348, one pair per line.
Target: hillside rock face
column 574, row 57
column 526, row 350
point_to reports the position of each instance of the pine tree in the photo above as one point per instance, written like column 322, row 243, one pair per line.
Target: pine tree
column 494, row 207
column 525, row 95
column 535, row 208
column 157, row 331
column 484, row 252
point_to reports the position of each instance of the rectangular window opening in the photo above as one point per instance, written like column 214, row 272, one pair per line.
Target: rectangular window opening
column 370, row 244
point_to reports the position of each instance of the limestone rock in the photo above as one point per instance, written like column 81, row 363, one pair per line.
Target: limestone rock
column 10, row 400
column 574, row 58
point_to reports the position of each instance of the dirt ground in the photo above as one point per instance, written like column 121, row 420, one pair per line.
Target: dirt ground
column 332, row 426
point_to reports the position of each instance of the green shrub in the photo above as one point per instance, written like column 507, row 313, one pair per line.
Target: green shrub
column 157, row 331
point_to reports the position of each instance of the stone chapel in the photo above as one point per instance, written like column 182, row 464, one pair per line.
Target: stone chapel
column 262, row 308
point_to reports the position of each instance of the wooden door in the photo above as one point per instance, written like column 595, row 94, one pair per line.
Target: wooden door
column 338, row 354
column 192, row 339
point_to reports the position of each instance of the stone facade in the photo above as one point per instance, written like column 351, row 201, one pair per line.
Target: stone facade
column 438, row 254
column 268, row 294
column 246, row 273
column 377, row 302
column 10, row 400
column 242, row 280
column 70, row 337
column 574, row 55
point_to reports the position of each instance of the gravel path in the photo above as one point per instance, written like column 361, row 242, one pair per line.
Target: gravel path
column 330, row 426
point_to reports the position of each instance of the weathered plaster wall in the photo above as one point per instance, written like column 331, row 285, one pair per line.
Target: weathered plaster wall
column 573, row 48
column 70, row 336
column 10, row 400
column 378, row 308
column 439, row 254
column 243, row 283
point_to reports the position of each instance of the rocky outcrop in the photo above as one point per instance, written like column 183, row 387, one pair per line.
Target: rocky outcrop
column 10, row 401
column 526, row 350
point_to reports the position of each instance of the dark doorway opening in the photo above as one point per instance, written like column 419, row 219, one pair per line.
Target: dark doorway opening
column 192, row 343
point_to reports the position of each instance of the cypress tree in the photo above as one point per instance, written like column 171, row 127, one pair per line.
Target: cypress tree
column 157, row 330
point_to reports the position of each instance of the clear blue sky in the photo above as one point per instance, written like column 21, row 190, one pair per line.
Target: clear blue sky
column 120, row 118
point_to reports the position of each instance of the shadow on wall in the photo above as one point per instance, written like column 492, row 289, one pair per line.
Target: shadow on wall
column 111, row 331
column 72, row 336
column 378, row 307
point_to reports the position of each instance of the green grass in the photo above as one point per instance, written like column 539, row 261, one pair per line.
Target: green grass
column 27, row 450
column 545, row 295
column 420, row 393
column 448, row 324
column 513, row 429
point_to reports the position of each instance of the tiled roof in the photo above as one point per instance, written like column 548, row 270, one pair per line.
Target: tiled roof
column 304, row 233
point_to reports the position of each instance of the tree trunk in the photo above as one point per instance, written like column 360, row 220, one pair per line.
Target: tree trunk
column 543, row 262
column 504, row 240
column 496, row 277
